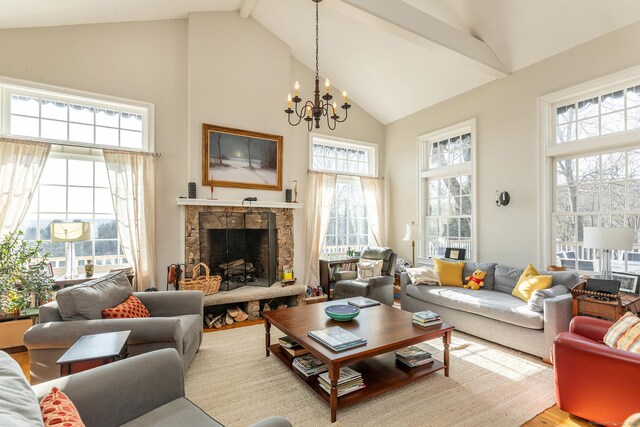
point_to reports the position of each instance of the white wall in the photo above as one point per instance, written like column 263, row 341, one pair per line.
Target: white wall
column 507, row 150
column 212, row 68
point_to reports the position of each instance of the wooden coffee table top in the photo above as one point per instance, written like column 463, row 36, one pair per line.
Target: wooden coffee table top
column 385, row 328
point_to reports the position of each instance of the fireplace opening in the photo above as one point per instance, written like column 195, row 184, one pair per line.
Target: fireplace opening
column 242, row 249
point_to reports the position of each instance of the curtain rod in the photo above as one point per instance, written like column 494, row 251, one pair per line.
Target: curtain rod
column 73, row 144
column 311, row 171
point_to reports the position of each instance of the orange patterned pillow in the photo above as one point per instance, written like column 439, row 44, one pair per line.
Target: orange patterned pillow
column 130, row 308
column 58, row 410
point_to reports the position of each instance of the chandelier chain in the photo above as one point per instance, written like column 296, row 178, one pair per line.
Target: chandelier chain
column 317, row 42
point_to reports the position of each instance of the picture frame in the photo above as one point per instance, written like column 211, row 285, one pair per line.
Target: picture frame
column 241, row 159
column 47, row 269
column 455, row 253
column 628, row 282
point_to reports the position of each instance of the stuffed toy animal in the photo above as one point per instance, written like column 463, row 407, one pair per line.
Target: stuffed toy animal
column 476, row 280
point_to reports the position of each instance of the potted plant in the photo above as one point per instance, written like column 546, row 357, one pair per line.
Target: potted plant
column 23, row 274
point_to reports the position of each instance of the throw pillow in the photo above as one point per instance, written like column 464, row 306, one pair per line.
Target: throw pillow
column 423, row 276
column 536, row 302
column 368, row 268
column 58, row 410
column 625, row 333
column 450, row 273
column 529, row 281
column 131, row 308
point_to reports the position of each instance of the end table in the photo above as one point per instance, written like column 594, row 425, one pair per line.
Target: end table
column 91, row 351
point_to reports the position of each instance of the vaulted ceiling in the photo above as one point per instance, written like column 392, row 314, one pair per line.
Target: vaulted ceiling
column 394, row 57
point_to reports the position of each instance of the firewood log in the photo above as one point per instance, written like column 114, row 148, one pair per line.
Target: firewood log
column 233, row 312
column 228, row 319
column 266, row 307
column 241, row 316
column 282, row 306
column 217, row 324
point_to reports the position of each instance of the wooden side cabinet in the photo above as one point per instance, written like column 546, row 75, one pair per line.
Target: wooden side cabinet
column 587, row 305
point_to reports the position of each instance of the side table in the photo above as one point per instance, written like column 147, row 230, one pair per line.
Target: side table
column 95, row 350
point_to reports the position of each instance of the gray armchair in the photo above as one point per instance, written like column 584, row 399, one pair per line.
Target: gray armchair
column 379, row 288
column 147, row 390
column 176, row 322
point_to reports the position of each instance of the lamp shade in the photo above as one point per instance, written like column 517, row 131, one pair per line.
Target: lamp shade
column 608, row 238
column 408, row 236
column 70, row 231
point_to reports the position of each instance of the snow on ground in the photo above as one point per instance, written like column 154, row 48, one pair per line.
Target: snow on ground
column 238, row 171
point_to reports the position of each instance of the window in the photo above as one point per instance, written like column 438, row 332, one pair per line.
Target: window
column 37, row 112
column 592, row 168
column 446, row 183
column 74, row 184
column 75, row 188
column 348, row 226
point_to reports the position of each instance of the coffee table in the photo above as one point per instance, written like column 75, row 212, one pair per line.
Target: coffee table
column 386, row 329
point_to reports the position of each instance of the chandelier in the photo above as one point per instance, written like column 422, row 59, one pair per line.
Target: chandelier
column 313, row 111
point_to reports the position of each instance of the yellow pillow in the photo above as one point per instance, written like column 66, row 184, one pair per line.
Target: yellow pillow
column 529, row 281
column 450, row 273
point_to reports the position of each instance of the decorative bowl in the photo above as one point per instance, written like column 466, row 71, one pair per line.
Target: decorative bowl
column 342, row 312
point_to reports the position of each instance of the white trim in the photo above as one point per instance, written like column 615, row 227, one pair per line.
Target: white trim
column 467, row 126
column 238, row 203
column 10, row 86
column 345, row 143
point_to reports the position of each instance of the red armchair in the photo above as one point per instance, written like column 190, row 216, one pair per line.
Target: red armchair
column 594, row 381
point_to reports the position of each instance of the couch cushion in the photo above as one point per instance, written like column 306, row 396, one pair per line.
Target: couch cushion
column 18, row 403
column 568, row 279
column 624, row 334
column 506, row 278
column 86, row 301
column 58, row 410
column 489, row 267
column 131, row 308
column 529, row 281
column 178, row 412
column 350, row 288
column 379, row 253
column 494, row 305
column 190, row 325
column 450, row 273
column 536, row 302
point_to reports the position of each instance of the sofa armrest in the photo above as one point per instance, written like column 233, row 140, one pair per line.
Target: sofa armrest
column 65, row 334
column 557, row 316
column 172, row 303
column 590, row 327
column 114, row 394
column 404, row 281
column 49, row 312
column 345, row 275
column 380, row 281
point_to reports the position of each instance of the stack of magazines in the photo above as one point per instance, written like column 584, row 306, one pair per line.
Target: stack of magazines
column 348, row 382
column 414, row 356
column 426, row 318
column 337, row 339
column 362, row 302
column 292, row 347
column 309, row 365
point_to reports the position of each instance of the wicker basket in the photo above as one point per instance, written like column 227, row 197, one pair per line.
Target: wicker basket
column 207, row 284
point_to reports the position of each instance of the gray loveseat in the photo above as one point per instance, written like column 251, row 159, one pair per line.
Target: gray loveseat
column 175, row 322
column 492, row 312
column 379, row 288
column 142, row 391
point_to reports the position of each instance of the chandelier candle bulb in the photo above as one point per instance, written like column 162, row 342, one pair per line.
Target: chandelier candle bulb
column 297, row 88
column 327, row 86
column 344, row 96
column 289, row 101
column 308, row 111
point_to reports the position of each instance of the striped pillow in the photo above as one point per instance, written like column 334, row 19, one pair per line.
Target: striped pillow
column 625, row 333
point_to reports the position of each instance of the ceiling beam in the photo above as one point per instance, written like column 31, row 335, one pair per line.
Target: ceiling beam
column 414, row 25
column 246, row 7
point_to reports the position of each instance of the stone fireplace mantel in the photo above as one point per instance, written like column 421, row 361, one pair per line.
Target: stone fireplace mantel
column 238, row 203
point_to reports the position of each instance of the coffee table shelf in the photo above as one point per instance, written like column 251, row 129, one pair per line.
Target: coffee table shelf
column 378, row 373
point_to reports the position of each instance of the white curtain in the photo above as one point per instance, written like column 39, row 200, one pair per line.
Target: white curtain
column 132, row 182
column 21, row 164
column 373, row 191
column 320, row 192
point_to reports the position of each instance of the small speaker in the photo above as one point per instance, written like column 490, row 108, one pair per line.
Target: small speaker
column 191, row 190
column 288, row 195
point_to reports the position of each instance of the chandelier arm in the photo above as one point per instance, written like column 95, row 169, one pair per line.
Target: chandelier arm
column 346, row 114
column 296, row 123
column 329, row 123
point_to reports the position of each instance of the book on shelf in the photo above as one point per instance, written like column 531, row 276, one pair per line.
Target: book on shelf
column 348, row 381
column 309, row 365
column 414, row 356
column 337, row 338
column 426, row 315
column 362, row 302
column 287, row 342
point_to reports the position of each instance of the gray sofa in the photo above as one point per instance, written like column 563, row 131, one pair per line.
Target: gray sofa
column 492, row 312
column 142, row 391
column 379, row 288
column 175, row 322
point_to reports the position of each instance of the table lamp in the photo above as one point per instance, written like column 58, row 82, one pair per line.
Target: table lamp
column 410, row 236
column 607, row 239
column 70, row 232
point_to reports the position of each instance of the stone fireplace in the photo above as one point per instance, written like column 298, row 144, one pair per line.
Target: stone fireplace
column 244, row 245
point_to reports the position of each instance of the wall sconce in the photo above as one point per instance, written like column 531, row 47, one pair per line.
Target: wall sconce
column 502, row 199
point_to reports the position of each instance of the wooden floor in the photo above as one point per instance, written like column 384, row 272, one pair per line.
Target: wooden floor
column 552, row 416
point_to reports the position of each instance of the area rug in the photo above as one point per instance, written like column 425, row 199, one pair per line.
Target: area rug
column 490, row 385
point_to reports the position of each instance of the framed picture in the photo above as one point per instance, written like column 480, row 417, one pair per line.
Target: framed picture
column 628, row 282
column 47, row 269
column 241, row 159
column 455, row 253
